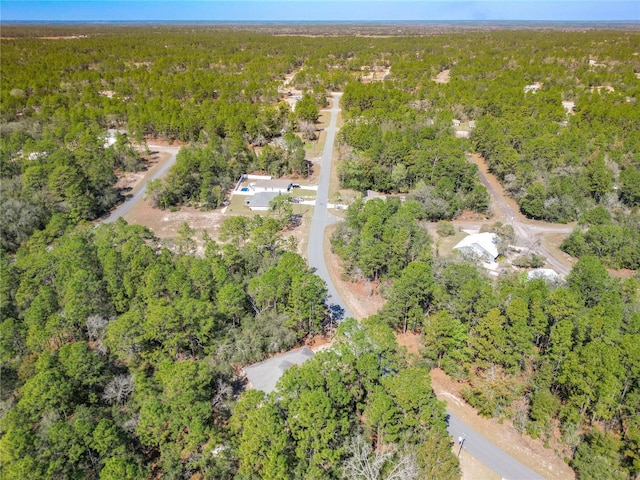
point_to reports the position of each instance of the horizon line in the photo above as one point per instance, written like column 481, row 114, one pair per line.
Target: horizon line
column 267, row 22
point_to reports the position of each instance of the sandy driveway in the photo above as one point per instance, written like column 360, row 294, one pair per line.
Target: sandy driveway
column 529, row 233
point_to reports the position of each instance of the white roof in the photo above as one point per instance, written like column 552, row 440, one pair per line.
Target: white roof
column 112, row 136
column 264, row 375
column 484, row 244
column 283, row 184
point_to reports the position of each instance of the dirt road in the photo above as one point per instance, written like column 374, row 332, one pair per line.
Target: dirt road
column 139, row 191
column 529, row 233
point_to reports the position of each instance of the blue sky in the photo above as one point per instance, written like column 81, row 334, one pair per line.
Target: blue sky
column 319, row 10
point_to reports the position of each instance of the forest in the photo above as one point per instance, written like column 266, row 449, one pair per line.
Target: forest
column 556, row 358
column 120, row 357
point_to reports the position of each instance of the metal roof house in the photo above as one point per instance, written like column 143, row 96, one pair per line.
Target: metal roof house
column 264, row 375
column 484, row 245
column 279, row 186
column 260, row 201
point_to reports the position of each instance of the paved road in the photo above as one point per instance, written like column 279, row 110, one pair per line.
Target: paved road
column 486, row 452
column 139, row 192
column 475, row 444
column 528, row 232
column 320, row 220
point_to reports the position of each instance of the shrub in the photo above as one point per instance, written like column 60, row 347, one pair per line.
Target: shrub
column 445, row 229
column 529, row 261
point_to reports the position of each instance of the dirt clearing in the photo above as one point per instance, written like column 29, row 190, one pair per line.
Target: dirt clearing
column 443, row 77
column 361, row 297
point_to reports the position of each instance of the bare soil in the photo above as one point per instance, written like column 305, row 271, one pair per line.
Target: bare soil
column 443, row 76
column 361, row 297
column 473, row 469
column 165, row 223
column 318, row 343
column 375, row 74
column 129, row 181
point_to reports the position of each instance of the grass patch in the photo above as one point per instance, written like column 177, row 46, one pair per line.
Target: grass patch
column 314, row 148
column 444, row 245
column 238, row 207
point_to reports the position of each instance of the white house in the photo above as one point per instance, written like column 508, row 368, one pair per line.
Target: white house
column 533, row 87
column 293, row 101
column 484, row 245
column 278, row 186
column 111, row 137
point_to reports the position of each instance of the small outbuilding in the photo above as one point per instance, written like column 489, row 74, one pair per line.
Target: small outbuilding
column 264, row 375
column 373, row 195
column 483, row 245
column 533, row 88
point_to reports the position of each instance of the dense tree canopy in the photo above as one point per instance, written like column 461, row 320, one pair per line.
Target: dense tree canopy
column 315, row 425
column 119, row 356
column 120, row 353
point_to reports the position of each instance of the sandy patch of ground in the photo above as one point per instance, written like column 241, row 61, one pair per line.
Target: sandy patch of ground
column 314, row 148
column 300, row 232
column 443, row 77
column 473, row 469
column 318, row 343
column 361, row 297
column 374, row 74
column 531, row 453
column 165, row 223
column 410, row 341
column 129, row 181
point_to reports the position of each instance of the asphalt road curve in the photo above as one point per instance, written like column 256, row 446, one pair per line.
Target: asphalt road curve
column 320, row 220
column 486, row 452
